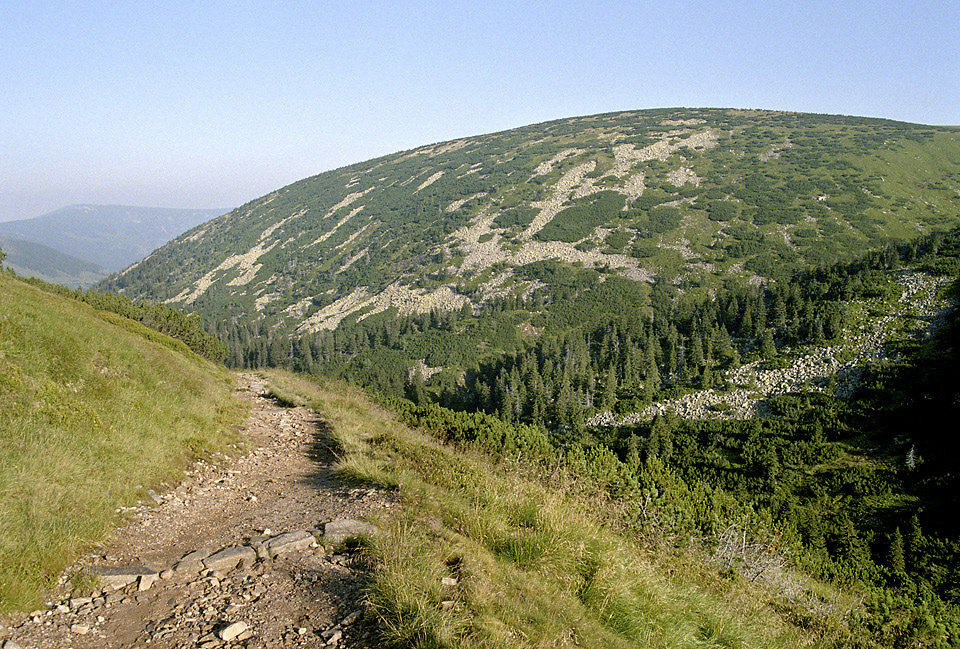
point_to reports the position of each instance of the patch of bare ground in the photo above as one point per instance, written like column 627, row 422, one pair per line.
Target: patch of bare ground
column 245, row 552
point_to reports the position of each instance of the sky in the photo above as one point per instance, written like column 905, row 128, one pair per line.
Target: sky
column 205, row 104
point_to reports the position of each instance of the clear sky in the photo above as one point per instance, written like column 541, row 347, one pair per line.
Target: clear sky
column 211, row 104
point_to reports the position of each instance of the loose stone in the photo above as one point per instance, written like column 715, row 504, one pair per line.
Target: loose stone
column 232, row 631
column 117, row 578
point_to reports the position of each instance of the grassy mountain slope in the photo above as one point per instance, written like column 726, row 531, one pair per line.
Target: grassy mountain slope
column 505, row 541
column 530, row 560
column 690, row 195
column 94, row 408
column 29, row 259
column 110, row 236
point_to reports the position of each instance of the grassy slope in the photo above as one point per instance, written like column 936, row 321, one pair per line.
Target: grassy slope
column 536, row 560
column 93, row 409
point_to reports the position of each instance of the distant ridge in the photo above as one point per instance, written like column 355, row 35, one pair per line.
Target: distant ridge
column 109, row 236
column 29, row 259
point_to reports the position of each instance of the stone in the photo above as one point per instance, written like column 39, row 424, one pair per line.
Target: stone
column 342, row 530
column 449, row 582
column 117, row 578
column 10, row 644
column 184, row 569
column 146, row 581
column 229, row 558
column 290, row 542
column 232, row 631
column 263, row 552
column 79, row 629
column 198, row 555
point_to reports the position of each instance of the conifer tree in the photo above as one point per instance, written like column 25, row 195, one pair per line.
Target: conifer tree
column 651, row 379
column 768, row 349
column 609, row 396
column 898, row 561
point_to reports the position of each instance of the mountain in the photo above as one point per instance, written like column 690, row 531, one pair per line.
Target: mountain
column 109, row 236
column 693, row 196
column 29, row 259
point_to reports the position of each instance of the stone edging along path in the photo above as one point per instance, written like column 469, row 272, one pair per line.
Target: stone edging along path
column 201, row 570
column 208, row 562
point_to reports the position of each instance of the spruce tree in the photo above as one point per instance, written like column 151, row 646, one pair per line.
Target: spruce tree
column 898, row 560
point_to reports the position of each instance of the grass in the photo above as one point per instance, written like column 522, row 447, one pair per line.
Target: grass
column 94, row 409
column 530, row 560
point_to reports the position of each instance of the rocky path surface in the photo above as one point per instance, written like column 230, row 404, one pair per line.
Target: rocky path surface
column 249, row 552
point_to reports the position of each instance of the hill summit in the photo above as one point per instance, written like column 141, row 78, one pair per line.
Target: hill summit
column 691, row 195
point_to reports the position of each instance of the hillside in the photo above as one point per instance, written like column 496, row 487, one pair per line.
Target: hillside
column 694, row 196
column 741, row 325
column 28, row 259
column 109, row 236
column 440, row 261
column 94, row 409
column 825, row 522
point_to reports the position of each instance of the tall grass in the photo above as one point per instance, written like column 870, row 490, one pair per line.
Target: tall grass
column 93, row 410
column 534, row 565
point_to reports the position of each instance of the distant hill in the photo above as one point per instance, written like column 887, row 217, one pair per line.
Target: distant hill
column 29, row 259
column 109, row 236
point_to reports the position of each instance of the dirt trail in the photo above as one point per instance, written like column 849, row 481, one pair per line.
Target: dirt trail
column 257, row 578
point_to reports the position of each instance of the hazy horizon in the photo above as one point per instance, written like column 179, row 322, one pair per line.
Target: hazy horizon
column 200, row 106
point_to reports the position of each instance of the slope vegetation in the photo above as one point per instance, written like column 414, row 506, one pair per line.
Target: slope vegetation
column 503, row 541
column 690, row 195
column 94, row 409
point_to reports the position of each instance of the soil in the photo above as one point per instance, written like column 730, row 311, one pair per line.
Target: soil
column 311, row 596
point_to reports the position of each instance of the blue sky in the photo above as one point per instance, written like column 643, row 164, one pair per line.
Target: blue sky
column 212, row 104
